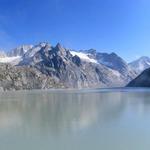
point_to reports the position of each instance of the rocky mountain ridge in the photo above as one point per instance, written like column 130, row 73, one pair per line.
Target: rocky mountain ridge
column 62, row 68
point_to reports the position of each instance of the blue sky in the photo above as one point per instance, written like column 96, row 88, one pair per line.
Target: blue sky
column 121, row 26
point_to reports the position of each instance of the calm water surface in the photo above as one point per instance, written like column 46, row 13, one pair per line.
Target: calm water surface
column 75, row 120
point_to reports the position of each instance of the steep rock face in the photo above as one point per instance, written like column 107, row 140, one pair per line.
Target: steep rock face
column 21, row 78
column 44, row 66
column 59, row 63
column 114, row 62
column 111, row 60
column 143, row 80
column 140, row 64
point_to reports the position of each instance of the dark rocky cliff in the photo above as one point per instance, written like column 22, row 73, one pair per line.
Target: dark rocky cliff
column 143, row 80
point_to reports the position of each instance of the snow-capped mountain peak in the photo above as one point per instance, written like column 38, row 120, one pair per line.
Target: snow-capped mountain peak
column 70, row 68
column 15, row 55
column 140, row 64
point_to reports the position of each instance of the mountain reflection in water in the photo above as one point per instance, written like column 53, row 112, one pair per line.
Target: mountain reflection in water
column 55, row 113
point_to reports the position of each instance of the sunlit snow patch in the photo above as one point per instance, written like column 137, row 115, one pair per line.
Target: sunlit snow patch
column 83, row 56
column 9, row 59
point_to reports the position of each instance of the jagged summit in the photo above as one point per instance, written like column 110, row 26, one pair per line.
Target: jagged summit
column 59, row 47
column 43, row 44
column 68, row 68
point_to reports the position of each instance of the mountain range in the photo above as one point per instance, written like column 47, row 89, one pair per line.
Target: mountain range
column 44, row 66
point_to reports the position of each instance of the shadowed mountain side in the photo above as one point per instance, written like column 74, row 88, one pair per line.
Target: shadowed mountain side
column 143, row 80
